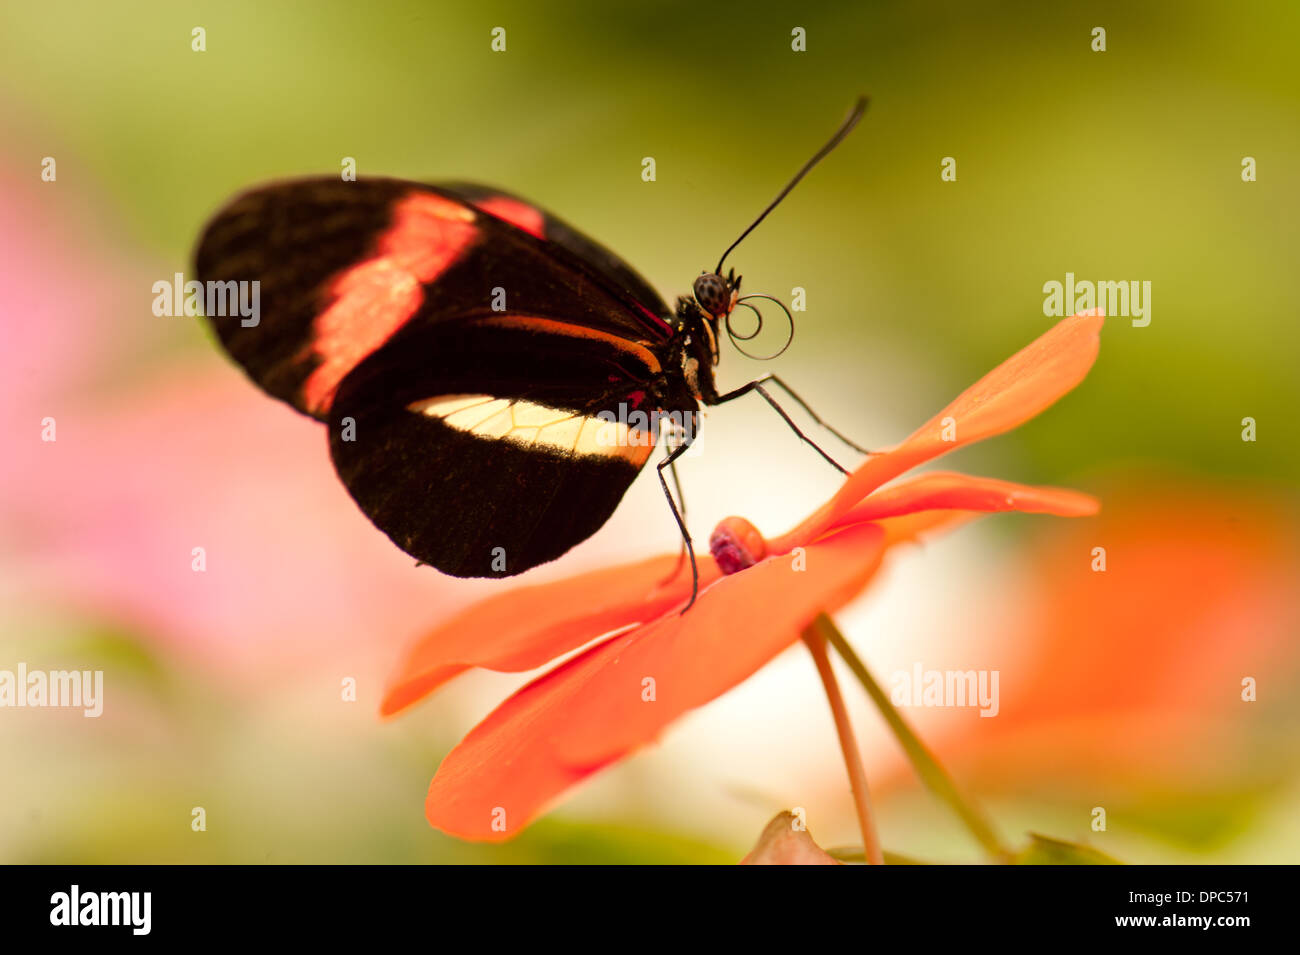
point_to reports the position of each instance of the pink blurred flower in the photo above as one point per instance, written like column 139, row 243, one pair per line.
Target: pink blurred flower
column 162, row 447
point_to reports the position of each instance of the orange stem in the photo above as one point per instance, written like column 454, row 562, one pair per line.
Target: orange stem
column 932, row 774
column 848, row 746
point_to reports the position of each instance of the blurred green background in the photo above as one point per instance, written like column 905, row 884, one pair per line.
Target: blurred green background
column 1116, row 165
column 1122, row 165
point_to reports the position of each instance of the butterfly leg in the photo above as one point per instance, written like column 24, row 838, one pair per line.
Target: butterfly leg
column 668, row 462
column 681, row 552
column 758, row 387
column 812, row 414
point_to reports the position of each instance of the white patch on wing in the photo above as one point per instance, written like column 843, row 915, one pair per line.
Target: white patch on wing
column 532, row 425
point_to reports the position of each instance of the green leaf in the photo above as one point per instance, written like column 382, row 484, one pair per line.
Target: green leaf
column 855, row 854
column 1044, row 850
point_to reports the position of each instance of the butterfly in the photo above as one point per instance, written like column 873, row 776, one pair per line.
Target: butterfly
column 492, row 379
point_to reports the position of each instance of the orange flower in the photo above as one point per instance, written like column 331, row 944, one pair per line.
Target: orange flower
column 1135, row 674
column 621, row 693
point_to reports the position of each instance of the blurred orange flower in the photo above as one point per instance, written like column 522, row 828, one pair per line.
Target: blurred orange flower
column 1150, row 629
column 623, row 691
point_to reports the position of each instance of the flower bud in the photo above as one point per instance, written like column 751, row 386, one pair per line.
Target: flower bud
column 736, row 544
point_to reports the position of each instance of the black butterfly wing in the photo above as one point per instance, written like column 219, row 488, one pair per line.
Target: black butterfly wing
column 343, row 266
column 488, row 469
column 461, row 359
column 544, row 225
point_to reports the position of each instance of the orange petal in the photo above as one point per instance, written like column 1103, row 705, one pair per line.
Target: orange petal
column 948, row 491
column 1024, row 385
column 911, row 528
column 596, row 708
column 906, row 529
column 526, row 627
column 935, row 502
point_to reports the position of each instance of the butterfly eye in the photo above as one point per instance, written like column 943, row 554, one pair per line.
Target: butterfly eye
column 713, row 293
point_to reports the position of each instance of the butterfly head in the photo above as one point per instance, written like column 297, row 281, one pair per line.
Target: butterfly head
column 717, row 295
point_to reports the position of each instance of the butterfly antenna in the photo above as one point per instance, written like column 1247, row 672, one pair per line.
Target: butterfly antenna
column 859, row 108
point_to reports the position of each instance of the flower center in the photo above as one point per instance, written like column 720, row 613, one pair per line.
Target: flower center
column 736, row 544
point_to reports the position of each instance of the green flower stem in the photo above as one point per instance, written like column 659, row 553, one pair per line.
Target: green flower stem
column 932, row 774
column 848, row 745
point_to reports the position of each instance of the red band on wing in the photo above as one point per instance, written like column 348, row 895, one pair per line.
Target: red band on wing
column 371, row 300
column 517, row 213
